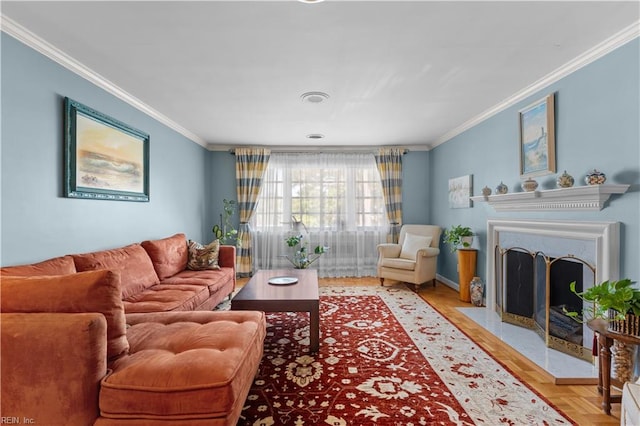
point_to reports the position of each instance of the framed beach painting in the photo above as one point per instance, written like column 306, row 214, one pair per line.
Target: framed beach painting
column 104, row 158
column 537, row 138
column 460, row 190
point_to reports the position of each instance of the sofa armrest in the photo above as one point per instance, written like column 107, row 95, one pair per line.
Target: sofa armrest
column 389, row 250
column 52, row 364
column 227, row 256
column 428, row 252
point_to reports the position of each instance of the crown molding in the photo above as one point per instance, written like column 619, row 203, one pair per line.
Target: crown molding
column 25, row 36
column 622, row 37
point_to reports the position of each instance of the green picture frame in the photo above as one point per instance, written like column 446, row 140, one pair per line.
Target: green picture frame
column 105, row 159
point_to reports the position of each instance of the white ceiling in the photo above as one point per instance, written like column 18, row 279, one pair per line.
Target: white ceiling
column 398, row 73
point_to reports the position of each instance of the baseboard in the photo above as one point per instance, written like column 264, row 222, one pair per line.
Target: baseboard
column 448, row 282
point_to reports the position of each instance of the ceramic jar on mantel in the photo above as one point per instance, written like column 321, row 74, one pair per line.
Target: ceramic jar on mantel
column 486, row 191
column 529, row 185
column 565, row 180
column 595, row 178
column 502, row 188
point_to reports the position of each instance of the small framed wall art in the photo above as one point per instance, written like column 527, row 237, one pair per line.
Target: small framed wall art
column 104, row 158
column 460, row 190
column 537, row 138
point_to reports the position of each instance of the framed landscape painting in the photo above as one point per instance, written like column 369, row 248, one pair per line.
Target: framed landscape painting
column 537, row 138
column 104, row 158
column 460, row 190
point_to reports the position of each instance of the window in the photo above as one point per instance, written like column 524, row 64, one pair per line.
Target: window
column 326, row 191
column 339, row 199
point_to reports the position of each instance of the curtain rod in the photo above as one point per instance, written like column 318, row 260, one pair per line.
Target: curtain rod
column 298, row 150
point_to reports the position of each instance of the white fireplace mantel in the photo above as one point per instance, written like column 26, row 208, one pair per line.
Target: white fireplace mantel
column 592, row 197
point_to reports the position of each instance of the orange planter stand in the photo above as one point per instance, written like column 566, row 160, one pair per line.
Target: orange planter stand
column 466, row 271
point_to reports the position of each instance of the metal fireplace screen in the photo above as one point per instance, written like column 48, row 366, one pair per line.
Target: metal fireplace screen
column 533, row 292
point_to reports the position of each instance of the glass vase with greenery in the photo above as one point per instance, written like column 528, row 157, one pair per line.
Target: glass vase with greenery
column 302, row 257
column 226, row 233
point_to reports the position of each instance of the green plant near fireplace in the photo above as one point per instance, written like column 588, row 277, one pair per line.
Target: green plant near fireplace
column 618, row 296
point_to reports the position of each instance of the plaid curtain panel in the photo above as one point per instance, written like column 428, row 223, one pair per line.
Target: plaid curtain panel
column 250, row 166
column 389, row 162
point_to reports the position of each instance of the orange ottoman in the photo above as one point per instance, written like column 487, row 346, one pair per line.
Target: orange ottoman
column 184, row 367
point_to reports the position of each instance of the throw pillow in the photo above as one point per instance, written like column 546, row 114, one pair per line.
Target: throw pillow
column 203, row 257
column 411, row 244
column 169, row 255
column 92, row 291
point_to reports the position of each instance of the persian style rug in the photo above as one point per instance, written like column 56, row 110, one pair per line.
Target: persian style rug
column 386, row 358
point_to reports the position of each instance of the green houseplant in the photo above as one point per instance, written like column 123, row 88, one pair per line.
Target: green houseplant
column 458, row 236
column 619, row 296
column 225, row 232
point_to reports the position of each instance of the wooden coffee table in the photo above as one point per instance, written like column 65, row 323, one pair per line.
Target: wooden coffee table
column 259, row 295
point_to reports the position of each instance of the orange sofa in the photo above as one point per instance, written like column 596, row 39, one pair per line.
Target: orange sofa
column 153, row 273
column 71, row 356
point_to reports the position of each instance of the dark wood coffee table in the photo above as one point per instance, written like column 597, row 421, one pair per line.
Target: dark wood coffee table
column 259, row 295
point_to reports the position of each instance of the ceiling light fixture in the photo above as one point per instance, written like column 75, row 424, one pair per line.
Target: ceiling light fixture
column 314, row 97
column 315, row 136
column 310, row 1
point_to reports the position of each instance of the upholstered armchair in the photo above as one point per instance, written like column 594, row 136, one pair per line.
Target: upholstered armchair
column 413, row 259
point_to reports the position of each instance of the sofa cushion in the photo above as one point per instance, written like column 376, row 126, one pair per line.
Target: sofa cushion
column 167, row 297
column 57, row 266
column 398, row 263
column 203, row 257
column 132, row 261
column 92, row 291
column 169, row 255
column 411, row 244
column 169, row 374
column 210, row 277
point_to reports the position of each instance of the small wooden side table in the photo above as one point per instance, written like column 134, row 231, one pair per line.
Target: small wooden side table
column 605, row 341
column 466, row 271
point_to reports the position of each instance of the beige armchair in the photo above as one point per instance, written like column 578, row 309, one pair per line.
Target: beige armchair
column 414, row 258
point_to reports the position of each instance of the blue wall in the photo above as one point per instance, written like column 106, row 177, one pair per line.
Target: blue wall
column 597, row 126
column 37, row 221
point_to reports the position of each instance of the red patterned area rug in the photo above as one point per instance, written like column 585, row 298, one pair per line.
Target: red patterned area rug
column 386, row 358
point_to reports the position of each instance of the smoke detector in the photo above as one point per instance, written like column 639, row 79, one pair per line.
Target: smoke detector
column 315, row 136
column 314, row 97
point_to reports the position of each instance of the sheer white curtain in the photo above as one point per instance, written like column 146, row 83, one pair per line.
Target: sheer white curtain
column 338, row 197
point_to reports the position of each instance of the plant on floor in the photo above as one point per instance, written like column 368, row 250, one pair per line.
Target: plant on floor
column 225, row 232
column 620, row 296
column 458, row 236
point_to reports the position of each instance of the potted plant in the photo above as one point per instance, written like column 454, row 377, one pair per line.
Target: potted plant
column 609, row 301
column 458, row 236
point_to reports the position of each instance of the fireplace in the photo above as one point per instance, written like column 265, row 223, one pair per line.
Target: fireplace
column 530, row 265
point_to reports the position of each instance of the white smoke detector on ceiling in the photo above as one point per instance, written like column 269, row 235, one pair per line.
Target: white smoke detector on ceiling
column 314, row 97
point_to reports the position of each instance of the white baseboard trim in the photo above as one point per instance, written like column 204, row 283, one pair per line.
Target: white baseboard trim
column 448, row 282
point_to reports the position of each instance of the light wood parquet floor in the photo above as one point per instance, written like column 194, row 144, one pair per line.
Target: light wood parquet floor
column 580, row 402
